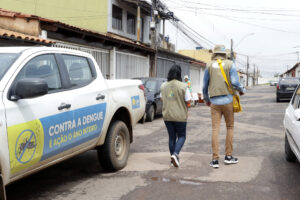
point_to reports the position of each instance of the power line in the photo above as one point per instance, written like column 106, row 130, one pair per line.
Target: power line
column 249, row 23
column 259, row 11
column 190, row 9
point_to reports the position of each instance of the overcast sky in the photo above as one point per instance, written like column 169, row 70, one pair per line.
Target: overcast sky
column 266, row 30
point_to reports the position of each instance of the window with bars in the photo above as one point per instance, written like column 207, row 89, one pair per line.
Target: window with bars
column 116, row 17
column 131, row 23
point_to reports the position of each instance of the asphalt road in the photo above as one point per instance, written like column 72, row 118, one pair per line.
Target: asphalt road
column 262, row 172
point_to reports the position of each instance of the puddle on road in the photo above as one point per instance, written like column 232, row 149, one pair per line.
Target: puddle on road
column 180, row 181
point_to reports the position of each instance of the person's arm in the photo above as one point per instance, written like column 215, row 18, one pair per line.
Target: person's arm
column 234, row 78
column 205, row 87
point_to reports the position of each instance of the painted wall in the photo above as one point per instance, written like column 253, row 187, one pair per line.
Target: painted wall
column 125, row 9
column 203, row 55
column 88, row 14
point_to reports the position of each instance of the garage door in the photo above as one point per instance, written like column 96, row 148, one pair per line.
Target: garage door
column 131, row 65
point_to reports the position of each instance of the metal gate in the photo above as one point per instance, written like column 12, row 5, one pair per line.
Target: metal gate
column 101, row 55
column 131, row 65
column 165, row 64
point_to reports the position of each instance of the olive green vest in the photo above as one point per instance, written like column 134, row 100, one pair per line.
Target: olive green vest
column 217, row 85
column 174, row 107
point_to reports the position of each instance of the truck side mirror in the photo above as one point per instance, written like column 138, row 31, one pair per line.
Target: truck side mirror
column 28, row 88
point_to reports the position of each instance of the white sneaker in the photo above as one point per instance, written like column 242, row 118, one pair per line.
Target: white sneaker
column 230, row 160
column 175, row 160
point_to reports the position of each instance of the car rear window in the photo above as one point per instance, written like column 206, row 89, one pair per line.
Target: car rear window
column 150, row 85
column 289, row 81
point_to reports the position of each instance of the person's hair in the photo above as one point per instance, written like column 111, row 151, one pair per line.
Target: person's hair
column 175, row 73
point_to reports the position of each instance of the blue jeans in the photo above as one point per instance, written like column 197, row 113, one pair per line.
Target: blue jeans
column 177, row 135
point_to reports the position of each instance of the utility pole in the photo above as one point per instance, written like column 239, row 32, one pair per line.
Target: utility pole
column 153, row 25
column 254, row 80
column 231, row 49
column 153, row 56
column 247, row 70
column 164, row 29
column 257, row 74
column 138, row 21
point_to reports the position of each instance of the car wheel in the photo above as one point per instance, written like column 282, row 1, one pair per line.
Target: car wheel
column 277, row 99
column 150, row 114
column 289, row 154
column 113, row 155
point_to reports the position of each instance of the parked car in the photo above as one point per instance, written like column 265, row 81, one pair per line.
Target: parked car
column 154, row 103
column 292, row 128
column 285, row 88
column 56, row 104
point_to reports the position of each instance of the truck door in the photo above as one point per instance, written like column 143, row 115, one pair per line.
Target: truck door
column 91, row 98
column 37, row 127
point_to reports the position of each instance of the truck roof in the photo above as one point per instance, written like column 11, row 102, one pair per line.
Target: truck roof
column 31, row 49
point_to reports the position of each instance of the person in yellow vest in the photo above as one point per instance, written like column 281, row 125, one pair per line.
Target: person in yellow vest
column 218, row 98
column 175, row 97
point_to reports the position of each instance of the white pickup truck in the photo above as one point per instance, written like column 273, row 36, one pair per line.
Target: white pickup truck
column 56, row 104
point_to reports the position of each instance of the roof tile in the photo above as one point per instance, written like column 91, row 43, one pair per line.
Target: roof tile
column 12, row 34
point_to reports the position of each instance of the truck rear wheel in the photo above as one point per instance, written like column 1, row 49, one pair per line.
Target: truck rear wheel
column 113, row 155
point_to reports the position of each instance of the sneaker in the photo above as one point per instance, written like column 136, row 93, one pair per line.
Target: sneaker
column 214, row 164
column 171, row 164
column 230, row 160
column 175, row 160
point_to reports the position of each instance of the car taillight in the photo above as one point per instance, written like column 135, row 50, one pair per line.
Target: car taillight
column 142, row 87
column 278, row 87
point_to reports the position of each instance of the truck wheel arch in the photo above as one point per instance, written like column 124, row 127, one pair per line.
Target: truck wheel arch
column 123, row 115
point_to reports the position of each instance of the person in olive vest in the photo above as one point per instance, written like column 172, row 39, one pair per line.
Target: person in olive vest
column 218, row 98
column 175, row 97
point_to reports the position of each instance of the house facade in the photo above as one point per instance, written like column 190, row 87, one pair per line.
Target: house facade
column 117, row 57
column 115, row 16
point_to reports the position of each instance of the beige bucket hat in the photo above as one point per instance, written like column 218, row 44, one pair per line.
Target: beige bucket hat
column 220, row 49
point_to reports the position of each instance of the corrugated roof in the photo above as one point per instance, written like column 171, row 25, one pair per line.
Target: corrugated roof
column 108, row 35
column 15, row 35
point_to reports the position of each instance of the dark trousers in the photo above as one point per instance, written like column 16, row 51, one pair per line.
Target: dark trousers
column 177, row 135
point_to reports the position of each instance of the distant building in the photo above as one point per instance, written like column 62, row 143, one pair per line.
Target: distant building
column 293, row 72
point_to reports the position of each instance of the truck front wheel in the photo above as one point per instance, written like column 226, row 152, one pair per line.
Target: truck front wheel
column 113, row 154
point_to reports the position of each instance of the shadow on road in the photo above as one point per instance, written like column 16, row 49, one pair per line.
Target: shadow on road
column 63, row 175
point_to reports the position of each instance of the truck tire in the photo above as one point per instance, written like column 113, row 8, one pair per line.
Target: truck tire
column 150, row 114
column 289, row 154
column 113, row 154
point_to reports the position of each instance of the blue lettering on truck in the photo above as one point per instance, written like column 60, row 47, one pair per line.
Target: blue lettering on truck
column 67, row 130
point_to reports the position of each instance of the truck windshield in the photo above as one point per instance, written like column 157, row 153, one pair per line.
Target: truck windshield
column 6, row 60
